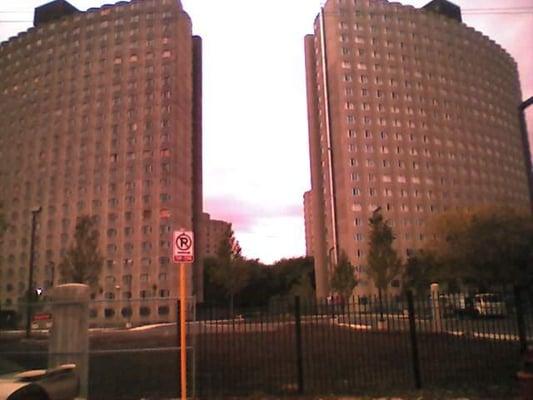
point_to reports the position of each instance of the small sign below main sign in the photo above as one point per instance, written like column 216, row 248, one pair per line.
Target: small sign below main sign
column 183, row 246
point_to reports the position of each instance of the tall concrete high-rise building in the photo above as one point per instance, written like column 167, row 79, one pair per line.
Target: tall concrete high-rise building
column 100, row 114
column 308, row 219
column 409, row 110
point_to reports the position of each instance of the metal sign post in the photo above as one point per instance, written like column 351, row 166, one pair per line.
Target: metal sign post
column 183, row 333
column 183, row 253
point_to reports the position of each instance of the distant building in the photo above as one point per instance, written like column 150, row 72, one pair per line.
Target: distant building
column 100, row 114
column 409, row 110
column 215, row 232
column 308, row 219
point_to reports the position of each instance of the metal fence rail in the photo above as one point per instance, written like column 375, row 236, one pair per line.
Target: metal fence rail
column 363, row 344
column 358, row 346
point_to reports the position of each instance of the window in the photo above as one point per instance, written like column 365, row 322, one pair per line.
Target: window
column 146, row 261
column 144, row 311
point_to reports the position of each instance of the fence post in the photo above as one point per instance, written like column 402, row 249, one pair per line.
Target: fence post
column 435, row 308
column 414, row 341
column 298, row 337
column 520, row 319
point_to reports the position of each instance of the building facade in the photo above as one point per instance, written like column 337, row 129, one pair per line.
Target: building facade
column 308, row 220
column 215, row 231
column 100, row 114
column 409, row 110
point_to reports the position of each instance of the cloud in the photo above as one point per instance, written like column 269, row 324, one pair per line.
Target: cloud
column 246, row 215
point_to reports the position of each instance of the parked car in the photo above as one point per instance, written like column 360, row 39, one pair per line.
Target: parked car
column 457, row 304
column 489, row 305
column 59, row 383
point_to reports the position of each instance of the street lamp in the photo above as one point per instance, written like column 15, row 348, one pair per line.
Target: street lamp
column 30, row 293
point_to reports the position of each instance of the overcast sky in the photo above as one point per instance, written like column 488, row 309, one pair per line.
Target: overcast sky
column 256, row 163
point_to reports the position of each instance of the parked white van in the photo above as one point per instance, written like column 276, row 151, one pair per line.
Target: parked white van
column 489, row 305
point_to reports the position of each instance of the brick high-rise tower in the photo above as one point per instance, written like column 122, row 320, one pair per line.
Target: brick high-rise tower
column 409, row 110
column 100, row 114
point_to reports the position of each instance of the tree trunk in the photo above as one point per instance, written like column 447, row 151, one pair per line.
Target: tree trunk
column 231, row 305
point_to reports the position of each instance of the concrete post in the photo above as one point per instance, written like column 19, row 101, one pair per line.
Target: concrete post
column 435, row 308
column 69, row 337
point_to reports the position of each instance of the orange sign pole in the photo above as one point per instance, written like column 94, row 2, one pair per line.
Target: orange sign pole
column 183, row 332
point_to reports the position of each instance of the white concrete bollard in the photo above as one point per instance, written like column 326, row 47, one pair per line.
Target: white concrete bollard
column 69, row 337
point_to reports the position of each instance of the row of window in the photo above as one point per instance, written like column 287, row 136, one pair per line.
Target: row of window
column 143, row 294
column 126, row 312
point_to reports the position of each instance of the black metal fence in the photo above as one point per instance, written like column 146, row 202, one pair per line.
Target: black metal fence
column 360, row 346
column 364, row 345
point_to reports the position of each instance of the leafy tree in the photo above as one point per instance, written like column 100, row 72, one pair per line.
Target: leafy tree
column 214, row 293
column 292, row 271
column 303, row 288
column 485, row 247
column 383, row 262
column 287, row 277
column 343, row 279
column 83, row 261
column 420, row 271
column 230, row 271
column 263, row 283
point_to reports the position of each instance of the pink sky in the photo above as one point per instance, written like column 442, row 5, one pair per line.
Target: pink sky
column 256, row 165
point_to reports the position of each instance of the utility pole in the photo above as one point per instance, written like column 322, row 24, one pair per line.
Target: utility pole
column 30, row 294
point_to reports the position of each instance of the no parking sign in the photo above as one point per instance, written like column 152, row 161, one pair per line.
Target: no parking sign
column 183, row 246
